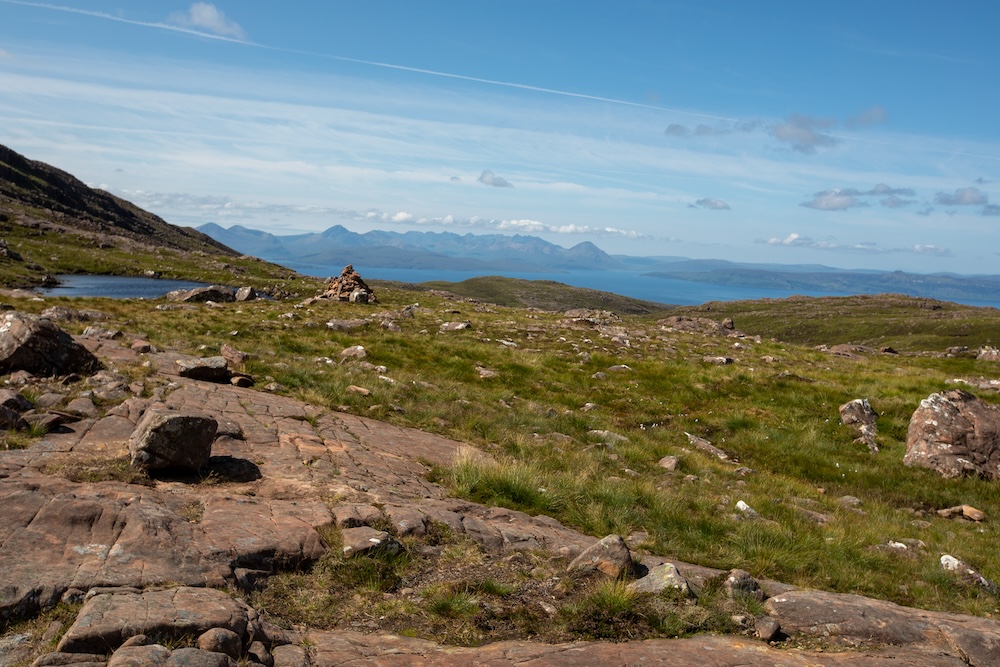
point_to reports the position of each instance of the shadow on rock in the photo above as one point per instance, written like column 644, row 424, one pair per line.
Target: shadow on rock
column 219, row 469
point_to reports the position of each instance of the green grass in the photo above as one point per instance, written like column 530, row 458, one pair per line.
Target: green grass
column 775, row 410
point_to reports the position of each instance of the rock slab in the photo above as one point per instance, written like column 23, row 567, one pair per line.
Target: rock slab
column 108, row 619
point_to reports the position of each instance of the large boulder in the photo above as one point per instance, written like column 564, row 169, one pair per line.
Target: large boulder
column 216, row 293
column 955, row 434
column 164, row 439
column 30, row 343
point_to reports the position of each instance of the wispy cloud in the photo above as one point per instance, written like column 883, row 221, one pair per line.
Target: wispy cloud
column 971, row 196
column 804, row 133
column 835, row 200
column 5, row 55
column 489, row 178
column 841, row 199
column 991, row 209
column 713, row 204
column 795, row 240
column 208, row 17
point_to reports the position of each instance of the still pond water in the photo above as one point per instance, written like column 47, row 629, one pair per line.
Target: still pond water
column 117, row 287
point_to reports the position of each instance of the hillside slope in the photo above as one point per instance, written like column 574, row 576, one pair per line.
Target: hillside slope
column 52, row 223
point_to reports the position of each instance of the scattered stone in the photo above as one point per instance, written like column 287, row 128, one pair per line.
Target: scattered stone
column 195, row 657
column 767, row 628
column 234, row 356
column 101, row 333
column 707, row 447
column 241, row 380
column 345, row 325
column 661, row 578
column 290, row 655
column 619, row 368
column 367, row 540
column 968, row 574
column 14, row 400
column 610, row 557
column 354, row 352
column 258, row 653
column 988, row 354
column 354, row 389
column 956, row 435
column 165, row 439
column 11, row 419
column 849, row 501
column 30, row 343
column 455, row 326
column 246, row 293
column 221, row 640
column 82, row 406
column 859, row 413
column 206, row 369
column 721, row 361
column 669, row 463
column 963, row 511
column 746, row 511
column 607, row 437
column 587, row 407
column 739, row 584
column 695, row 325
column 141, row 346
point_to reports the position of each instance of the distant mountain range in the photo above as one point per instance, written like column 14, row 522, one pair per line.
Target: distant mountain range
column 338, row 246
column 330, row 250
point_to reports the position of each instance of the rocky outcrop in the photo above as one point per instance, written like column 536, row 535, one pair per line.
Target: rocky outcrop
column 855, row 620
column 955, row 434
column 216, row 293
column 860, row 414
column 281, row 472
column 36, row 345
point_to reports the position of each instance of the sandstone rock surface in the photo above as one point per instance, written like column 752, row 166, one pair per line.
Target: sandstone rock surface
column 955, row 434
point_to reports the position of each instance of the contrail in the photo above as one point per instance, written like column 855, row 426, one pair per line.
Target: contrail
column 359, row 61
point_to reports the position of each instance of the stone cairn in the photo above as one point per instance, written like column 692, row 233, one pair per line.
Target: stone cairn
column 349, row 287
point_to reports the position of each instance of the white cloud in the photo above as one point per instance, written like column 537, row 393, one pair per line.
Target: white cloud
column 971, row 196
column 402, row 216
column 713, row 204
column 863, row 247
column 208, row 17
column 834, row 200
column 489, row 178
column 932, row 250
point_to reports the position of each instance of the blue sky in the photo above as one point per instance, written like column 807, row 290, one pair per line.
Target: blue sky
column 856, row 135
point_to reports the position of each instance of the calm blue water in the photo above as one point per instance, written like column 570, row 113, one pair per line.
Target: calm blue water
column 662, row 290
column 117, row 287
column 627, row 283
